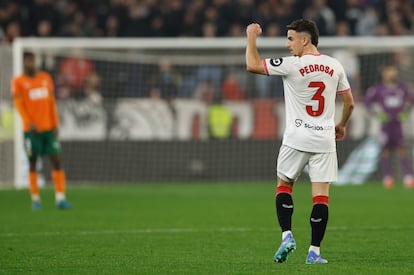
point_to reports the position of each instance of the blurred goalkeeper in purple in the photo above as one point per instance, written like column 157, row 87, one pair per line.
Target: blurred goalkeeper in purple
column 394, row 100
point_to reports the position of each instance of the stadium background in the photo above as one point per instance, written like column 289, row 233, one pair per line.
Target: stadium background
column 121, row 125
column 140, row 115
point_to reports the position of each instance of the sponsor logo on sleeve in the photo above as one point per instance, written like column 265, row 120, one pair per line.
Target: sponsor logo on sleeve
column 276, row 62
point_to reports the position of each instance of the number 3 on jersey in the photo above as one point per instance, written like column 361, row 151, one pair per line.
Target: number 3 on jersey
column 317, row 97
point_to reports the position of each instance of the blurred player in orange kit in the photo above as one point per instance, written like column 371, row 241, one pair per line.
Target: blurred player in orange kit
column 34, row 99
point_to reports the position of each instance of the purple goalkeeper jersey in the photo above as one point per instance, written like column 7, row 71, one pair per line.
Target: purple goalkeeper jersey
column 393, row 101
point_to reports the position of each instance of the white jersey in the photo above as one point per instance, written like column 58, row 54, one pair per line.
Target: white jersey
column 311, row 83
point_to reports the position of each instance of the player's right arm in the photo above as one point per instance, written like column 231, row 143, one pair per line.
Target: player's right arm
column 370, row 97
column 253, row 62
column 19, row 103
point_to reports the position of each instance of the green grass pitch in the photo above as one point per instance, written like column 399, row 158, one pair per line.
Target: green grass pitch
column 198, row 228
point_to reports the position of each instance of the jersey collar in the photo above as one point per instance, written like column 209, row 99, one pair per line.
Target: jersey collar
column 314, row 54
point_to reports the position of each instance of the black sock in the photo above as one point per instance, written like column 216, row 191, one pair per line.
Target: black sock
column 318, row 221
column 284, row 210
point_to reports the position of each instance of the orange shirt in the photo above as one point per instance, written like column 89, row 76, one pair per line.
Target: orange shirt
column 35, row 101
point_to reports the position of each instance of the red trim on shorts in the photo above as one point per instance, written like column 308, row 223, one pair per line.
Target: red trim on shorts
column 320, row 200
column 283, row 189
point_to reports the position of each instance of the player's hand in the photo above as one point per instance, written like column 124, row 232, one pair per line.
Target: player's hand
column 339, row 132
column 383, row 117
column 403, row 116
column 32, row 128
column 55, row 131
column 254, row 29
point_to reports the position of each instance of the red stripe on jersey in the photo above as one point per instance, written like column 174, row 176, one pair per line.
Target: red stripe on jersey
column 265, row 66
column 314, row 54
column 284, row 189
column 320, row 200
column 343, row 91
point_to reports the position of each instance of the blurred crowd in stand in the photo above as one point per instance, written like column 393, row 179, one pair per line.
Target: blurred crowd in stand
column 80, row 77
column 197, row 18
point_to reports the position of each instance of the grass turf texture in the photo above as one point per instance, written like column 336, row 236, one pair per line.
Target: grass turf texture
column 225, row 228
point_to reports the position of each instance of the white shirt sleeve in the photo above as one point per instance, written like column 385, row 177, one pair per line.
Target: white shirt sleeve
column 277, row 66
column 343, row 84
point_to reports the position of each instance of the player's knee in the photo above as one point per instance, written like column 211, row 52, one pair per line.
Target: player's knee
column 285, row 181
column 56, row 163
column 32, row 164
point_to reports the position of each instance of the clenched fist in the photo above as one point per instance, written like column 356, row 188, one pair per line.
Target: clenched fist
column 254, row 29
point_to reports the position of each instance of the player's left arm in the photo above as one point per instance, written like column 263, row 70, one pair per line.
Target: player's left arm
column 345, row 94
column 408, row 103
column 348, row 107
column 54, row 114
column 253, row 62
column 409, row 98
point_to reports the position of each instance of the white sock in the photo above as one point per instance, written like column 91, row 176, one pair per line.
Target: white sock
column 35, row 197
column 285, row 233
column 315, row 249
column 59, row 196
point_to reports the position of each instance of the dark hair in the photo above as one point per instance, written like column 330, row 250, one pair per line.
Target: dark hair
column 28, row 55
column 308, row 26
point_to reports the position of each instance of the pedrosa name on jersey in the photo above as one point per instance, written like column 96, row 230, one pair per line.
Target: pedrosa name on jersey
column 313, row 68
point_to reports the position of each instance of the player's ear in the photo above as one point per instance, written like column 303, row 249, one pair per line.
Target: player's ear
column 305, row 39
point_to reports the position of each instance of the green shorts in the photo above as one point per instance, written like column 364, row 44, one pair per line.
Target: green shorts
column 40, row 144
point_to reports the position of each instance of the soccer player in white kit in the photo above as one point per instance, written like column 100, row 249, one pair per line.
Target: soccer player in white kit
column 311, row 82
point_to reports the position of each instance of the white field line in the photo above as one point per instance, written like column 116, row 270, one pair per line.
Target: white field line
column 188, row 230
